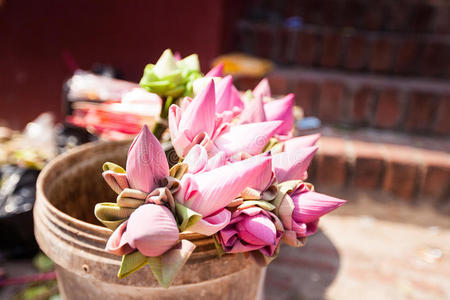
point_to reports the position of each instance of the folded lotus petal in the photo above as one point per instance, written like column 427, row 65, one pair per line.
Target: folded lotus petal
column 111, row 214
column 213, row 190
column 301, row 142
column 253, row 112
column 292, row 165
column 146, row 162
column 152, row 230
column 223, row 95
column 282, row 109
column 291, row 238
column 117, row 181
column 310, row 206
column 250, row 138
column 117, row 243
column 262, row 89
column 236, row 101
column 199, row 116
column 218, row 160
column 217, row 71
column 257, row 230
column 196, row 159
column 131, row 198
column 178, row 170
column 213, row 223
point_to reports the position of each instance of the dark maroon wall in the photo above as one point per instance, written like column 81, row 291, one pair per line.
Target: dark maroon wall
column 127, row 34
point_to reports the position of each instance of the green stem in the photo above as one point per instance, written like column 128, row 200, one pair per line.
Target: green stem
column 161, row 125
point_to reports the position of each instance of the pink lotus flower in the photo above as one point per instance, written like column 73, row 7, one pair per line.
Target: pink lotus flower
column 292, row 165
column 198, row 119
column 262, row 89
column 251, row 228
column 227, row 97
column 198, row 161
column 197, row 124
column 281, row 109
column 296, row 143
column 256, row 110
column 209, row 192
column 146, row 167
column 153, row 240
column 300, row 209
column 217, row 71
column 250, row 138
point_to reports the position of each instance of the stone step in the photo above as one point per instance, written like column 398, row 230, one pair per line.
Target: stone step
column 356, row 50
column 416, row 169
column 414, row 105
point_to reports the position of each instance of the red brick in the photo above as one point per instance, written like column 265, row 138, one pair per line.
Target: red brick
column 434, row 60
column 331, row 162
column 306, row 51
column 331, row 50
column 306, row 96
column 442, row 15
column 369, row 165
column 436, row 183
column 381, row 55
column 389, row 109
column 421, row 112
column 406, row 58
column 442, row 125
column 397, row 15
column 331, row 101
column 278, row 84
column 331, row 13
column 360, row 105
column 356, row 53
column 402, row 171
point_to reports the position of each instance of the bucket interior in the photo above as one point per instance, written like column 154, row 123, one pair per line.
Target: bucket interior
column 75, row 183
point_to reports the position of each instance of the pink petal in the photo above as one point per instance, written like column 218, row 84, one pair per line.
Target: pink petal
column 117, row 243
column 236, row 101
column 152, row 229
column 292, row 165
column 249, row 138
column 199, row 116
column 310, row 206
column 211, row 191
column 253, row 112
column 281, row 109
column 212, row 223
column 257, row 230
column 223, row 95
column 262, row 89
column 196, row 159
column 146, row 162
column 301, row 142
column 117, row 181
column 217, row 71
column 218, row 160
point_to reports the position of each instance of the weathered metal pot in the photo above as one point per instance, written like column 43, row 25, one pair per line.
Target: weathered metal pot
column 67, row 231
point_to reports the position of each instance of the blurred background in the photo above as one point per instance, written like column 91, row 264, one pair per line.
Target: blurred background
column 372, row 77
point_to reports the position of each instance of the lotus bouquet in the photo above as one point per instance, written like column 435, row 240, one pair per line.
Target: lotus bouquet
column 238, row 178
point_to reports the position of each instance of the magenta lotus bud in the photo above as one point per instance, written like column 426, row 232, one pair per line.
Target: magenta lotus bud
column 310, row 206
column 262, row 89
column 257, row 230
column 283, row 110
column 152, row 230
column 146, row 162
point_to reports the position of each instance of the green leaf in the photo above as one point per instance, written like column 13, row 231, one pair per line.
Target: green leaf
column 167, row 266
column 186, row 216
column 109, row 166
column 131, row 263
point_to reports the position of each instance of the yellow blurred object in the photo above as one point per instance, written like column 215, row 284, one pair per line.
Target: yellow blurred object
column 239, row 64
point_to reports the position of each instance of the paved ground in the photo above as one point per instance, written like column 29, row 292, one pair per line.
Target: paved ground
column 368, row 250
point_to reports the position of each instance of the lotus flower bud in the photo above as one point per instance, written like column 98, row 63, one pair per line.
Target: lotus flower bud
column 152, row 230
